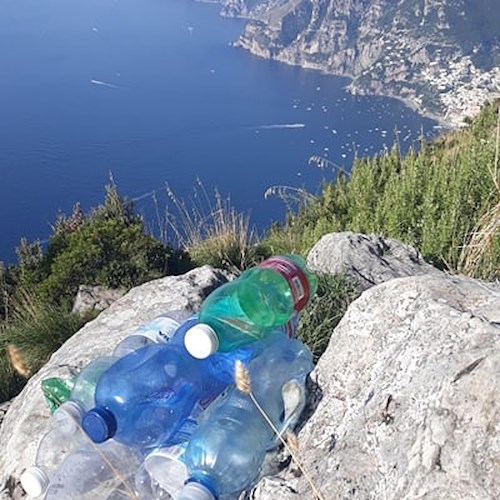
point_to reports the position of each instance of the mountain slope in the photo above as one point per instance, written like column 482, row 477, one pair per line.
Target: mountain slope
column 440, row 56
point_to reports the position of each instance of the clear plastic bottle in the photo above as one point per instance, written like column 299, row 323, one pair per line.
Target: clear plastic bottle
column 64, row 434
column 96, row 471
column 226, row 452
column 160, row 329
column 162, row 473
column 85, row 384
column 146, row 396
column 247, row 309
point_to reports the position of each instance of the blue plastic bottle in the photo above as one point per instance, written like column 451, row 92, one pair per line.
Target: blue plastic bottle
column 225, row 453
column 249, row 308
column 144, row 398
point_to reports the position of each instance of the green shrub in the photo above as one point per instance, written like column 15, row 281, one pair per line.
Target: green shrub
column 108, row 247
column 432, row 199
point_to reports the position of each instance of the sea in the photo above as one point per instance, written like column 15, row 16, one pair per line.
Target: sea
column 151, row 93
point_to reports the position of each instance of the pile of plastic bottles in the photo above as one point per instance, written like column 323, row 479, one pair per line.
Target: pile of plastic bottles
column 163, row 417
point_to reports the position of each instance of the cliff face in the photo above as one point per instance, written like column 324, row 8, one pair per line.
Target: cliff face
column 441, row 56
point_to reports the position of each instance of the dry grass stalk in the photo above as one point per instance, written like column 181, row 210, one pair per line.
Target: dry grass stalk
column 478, row 251
column 292, row 440
column 243, row 383
column 212, row 230
column 18, row 361
column 477, row 255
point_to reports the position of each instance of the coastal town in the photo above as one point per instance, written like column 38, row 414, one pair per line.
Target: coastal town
column 462, row 88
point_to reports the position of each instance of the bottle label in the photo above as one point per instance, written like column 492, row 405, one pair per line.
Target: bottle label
column 159, row 330
column 290, row 327
column 294, row 275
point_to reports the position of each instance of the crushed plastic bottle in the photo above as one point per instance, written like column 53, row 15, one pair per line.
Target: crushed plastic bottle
column 96, row 471
column 64, row 434
column 249, row 308
column 144, row 398
column 225, row 454
column 162, row 473
column 56, row 391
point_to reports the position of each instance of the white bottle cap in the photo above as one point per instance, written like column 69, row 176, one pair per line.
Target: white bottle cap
column 34, row 481
column 201, row 341
column 195, row 491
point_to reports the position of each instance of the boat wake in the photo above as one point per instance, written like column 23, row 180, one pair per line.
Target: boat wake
column 104, row 84
column 281, row 126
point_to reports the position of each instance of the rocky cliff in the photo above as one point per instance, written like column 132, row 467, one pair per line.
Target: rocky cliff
column 440, row 56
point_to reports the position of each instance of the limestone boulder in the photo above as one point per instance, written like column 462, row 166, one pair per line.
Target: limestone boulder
column 406, row 399
column 95, row 298
column 366, row 260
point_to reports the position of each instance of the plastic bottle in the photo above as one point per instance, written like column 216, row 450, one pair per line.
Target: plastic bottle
column 96, row 471
column 225, row 453
column 65, row 432
column 249, row 308
column 63, row 435
column 162, row 473
column 85, row 383
column 145, row 397
column 160, row 329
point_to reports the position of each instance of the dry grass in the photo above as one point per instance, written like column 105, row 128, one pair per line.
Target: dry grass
column 212, row 231
column 477, row 257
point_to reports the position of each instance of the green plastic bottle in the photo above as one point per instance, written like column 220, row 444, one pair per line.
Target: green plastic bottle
column 57, row 391
column 262, row 299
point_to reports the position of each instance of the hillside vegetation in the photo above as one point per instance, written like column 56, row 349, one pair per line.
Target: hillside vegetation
column 443, row 199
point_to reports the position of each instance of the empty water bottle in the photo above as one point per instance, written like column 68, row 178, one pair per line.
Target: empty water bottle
column 160, row 329
column 145, row 397
column 249, row 308
column 85, row 383
column 63, row 435
column 162, row 474
column 96, row 471
column 225, row 453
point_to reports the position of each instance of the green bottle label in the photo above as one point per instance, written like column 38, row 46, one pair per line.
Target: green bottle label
column 295, row 277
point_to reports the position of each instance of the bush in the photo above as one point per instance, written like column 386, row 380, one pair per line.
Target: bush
column 433, row 199
column 108, row 247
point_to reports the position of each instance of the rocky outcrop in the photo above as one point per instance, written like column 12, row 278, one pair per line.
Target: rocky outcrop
column 95, row 298
column 440, row 56
column 406, row 399
column 404, row 403
column 366, row 260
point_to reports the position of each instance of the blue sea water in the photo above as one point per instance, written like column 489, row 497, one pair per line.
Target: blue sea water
column 152, row 91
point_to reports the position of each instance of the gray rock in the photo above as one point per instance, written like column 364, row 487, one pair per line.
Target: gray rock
column 95, row 298
column 367, row 260
column 28, row 416
column 407, row 398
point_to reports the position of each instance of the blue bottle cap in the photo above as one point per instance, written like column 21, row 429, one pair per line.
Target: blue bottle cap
column 99, row 424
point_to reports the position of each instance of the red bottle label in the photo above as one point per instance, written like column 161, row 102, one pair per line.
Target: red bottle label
column 296, row 278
